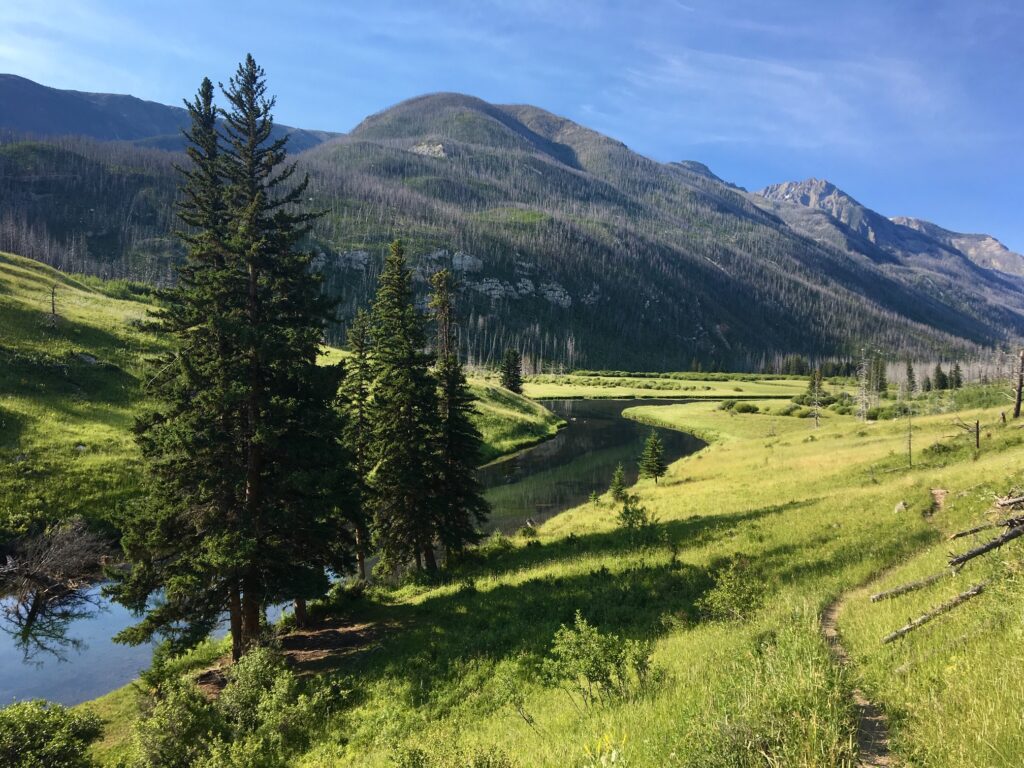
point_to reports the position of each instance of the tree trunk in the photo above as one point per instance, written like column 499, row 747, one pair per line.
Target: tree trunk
column 1020, row 385
column 250, row 620
column 429, row 559
column 301, row 616
column 235, row 611
column 361, row 552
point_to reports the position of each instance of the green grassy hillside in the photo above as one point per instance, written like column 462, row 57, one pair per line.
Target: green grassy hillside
column 751, row 539
column 71, row 386
column 754, row 537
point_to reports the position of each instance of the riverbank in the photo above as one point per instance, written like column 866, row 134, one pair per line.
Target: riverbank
column 755, row 535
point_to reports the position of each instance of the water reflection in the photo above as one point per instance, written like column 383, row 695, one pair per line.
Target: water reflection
column 563, row 472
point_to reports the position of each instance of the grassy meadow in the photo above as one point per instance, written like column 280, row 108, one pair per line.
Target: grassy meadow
column 750, row 539
column 745, row 543
column 72, row 386
column 676, row 385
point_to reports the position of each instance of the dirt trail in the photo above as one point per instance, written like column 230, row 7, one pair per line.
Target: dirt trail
column 872, row 724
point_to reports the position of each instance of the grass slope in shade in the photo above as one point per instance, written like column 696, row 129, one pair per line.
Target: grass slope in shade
column 71, row 388
column 69, row 391
column 804, row 514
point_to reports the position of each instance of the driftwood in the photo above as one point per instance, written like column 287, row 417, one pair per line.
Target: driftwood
column 909, row 587
column 947, row 606
column 988, row 546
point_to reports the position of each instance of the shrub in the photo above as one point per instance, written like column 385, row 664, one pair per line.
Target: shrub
column 260, row 720
column 737, row 593
column 452, row 757
column 34, row 734
column 528, row 532
column 596, row 667
column 636, row 520
column 745, row 408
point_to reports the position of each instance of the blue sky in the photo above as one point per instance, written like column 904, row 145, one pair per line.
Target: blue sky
column 913, row 107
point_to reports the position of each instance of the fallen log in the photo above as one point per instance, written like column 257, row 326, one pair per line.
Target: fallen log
column 947, row 606
column 969, row 531
column 988, row 546
column 1010, row 502
column 909, row 587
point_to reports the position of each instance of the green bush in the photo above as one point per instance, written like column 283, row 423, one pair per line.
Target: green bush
column 40, row 734
column 595, row 667
column 260, row 720
column 745, row 408
column 450, row 757
column 737, row 593
column 636, row 520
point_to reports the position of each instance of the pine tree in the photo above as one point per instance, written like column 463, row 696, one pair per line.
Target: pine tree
column 926, row 384
column 617, row 488
column 404, row 423
column 911, row 379
column 512, row 371
column 652, row 462
column 355, row 404
column 879, row 381
column 245, row 469
column 956, row 377
column 939, row 378
column 461, row 505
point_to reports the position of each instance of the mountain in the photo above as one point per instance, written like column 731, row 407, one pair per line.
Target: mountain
column 567, row 243
column 32, row 109
column 898, row 235
column 983, row 250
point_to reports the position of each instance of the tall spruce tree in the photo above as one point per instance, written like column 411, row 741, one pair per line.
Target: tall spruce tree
column 652, row 460
column 939, row 378
column 956, row 377
column 512, row 371
column 404, row 423
column 911, row 379
column 461, row 506
column 358, row 435
column 617, row 487
column 245, row 468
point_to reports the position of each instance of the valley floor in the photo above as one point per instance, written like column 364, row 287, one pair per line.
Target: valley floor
column 755, row 537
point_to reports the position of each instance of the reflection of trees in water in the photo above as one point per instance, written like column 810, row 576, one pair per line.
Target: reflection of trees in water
column 46, row 584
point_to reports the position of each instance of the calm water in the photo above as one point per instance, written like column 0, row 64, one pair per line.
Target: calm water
column 562, row 472
column 536, row 483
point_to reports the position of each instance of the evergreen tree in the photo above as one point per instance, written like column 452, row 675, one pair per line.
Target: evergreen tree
column 461, row 506
column 652, row 462
column 911, row 379
column 404, row 423
column 245, row 470
column 926, row 384
column 939, row 378
column 879, row 381
column 618, row 485
column 355, row 404
column 512, row 371
column 956, row 377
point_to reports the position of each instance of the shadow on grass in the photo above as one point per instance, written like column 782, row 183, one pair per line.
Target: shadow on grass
column 691, row 532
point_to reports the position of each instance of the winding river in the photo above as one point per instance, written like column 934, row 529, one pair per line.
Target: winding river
column 82, row 662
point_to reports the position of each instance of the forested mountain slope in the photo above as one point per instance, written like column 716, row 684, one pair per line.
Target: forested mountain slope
column 567, row 243
column 30, row 108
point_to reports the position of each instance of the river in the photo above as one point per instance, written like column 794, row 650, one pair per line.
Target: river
column 533, row 484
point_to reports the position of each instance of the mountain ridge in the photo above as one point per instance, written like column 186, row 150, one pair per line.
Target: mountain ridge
column 567, row 243
column 37, row 110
